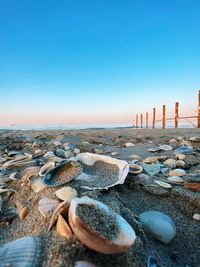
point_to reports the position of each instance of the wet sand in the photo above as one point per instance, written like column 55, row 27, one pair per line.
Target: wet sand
column 129, row 199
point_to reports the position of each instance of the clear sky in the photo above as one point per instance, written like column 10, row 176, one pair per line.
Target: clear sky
column 96, row 61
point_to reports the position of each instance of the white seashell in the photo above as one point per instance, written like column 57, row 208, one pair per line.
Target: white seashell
column 49, row 154
column 55, row 159
column 37, row 185
column 177, row 172
column 180, row 138
column 114, row 153
column 57, row 143
column 170, row 163
column 112, row 171
column 23, row 252
column 154, row 149
column 46, row 168
column 166, row 147
column 172, row 141
column 47, row 206
column 135, row 169
column 175, row 180
column 159, row 225
column 161, row 158
column 38, row 151
column 19, row 161
column 180, row 156
column 123, row 238
column 66, row 193
column 84, row 264
column 77, row 151
column 180, row 163
column 129, row 144
column 195, row 139
column 134, row 157
column 196, row 217
column 151, row 160
column 163, row 184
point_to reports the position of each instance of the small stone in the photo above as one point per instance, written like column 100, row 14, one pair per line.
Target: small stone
column 177, row 172
column 66, row 193
column 47, row 206
column 129, row 144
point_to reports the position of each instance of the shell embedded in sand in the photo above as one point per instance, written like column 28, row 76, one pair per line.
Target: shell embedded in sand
column 23, row 252
column 63, row 173
column 159, row 225
column 166, row 147
column 19, row 161
column 63, row 228
column 47, row 206
column 163, row 184
column 123, row 238
column 101, row 172
column 175, row 180
column 135, row 169
column 177, row 172
column 37, row 185
column 23, row 210
column 46, row 168
column 150, row 160
column 66, row 193
column 180, row 156
column 170, row 163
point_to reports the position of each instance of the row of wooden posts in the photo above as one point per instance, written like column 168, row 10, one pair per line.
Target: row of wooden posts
column 176, row 117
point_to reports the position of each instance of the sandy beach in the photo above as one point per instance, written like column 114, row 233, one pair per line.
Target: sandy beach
column 129, row 199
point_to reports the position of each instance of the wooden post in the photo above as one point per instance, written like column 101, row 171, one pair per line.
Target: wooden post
column 163, row 116
column 176, row 114
column 141, row 120
column 154, row 118
column 147, row 120
column 198, row 118
column 137, row 121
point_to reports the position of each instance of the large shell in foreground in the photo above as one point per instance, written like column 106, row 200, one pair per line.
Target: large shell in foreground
column 98, row 227
column 101, row 172
column 22, row 252
column 159, row 225
column 63, row 173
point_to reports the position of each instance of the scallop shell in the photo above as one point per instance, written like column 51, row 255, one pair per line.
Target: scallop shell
column 63, row 228
column 19, row 162
column 163, row 184
column 23, row 210
column 120, row 243
column 63, row 173
column 159, row 225
column 46, row 168
column 66, row 193
column 30, row 172
column 101, row 172
column 175, row 180
column 135, row 169
column 177, row 172
column 23, row 252
column 47, row 206
column 84, row 264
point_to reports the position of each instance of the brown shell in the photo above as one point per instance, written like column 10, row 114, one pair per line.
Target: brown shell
column 63, row 228
column 22, row 209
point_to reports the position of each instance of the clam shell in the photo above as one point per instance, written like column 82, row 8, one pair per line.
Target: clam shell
column 129, row 144
column 172, row 140
column 23, row 252
column 151, row 160
column 57, row 143
column 184, row 150
column 159, row 225
column 63, row 228
column 175, row 180
column 120, row 243
column 177, row 172
column 170, row 163
column 179, row 156
column 180, row 163
column 163, row 184
column 151, row 169
column 134, row 157
column 135, row 169
column 66, row 193
column 101, row 172
column 30, row 172
column 46, row 168
column 63, row 173
column 19, row 162
column 195, row 139
column 166, row 147
column 154, row 149
column 47, row 206
column 37, row 185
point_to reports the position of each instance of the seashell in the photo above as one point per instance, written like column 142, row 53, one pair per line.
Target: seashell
column 129, row 144
column 68, row 146
column 60, row 153
column 195, row 139
column 166, row 147
column 30, row 172
column 22, row 209
column 47, row 206
column 163, row 184
column 135, row 169
column 180, row 138
column 151, row 169
column 99, row 228
column 84, row 264
column 2, row 160
column 179, row 156
column 153, row 262
column 63, row 228
column 184, row 150
column 46, row 168
column 13, row 153
column 180, row 163
column 61, row 208
column 175, row 180
column 100, row 171
column 98, row 151
column 161, row 158
column 177, row 172
column 22, row 252
column 77, row 151
column 172, row 140
column 69, row 154
column 37, row 185
column 134, row 157
column 154, row 149
column 143, row 178
column 63, row 173
column 196, row 217
column 56, row 159
column 165, row 171
column 151, row 160
column 159, row 225
column 66, row 193
column 57, row 143
column 19, row 162
column 49, row 154
column 170, row 163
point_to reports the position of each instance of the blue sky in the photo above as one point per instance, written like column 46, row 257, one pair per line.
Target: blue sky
column 96, row 61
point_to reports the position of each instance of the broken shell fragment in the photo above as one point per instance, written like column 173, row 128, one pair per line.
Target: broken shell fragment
column 63, row 173
column 66, row 193
column 61, row 208
column 98, row 227
column 135, row 169
column 46, row 168
column 159, row 225
column 47, row 206
column 37, row 185
column 175, row 180
column 177, row 172
column 63, row 228
column 163, row 184
column 22, row 209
